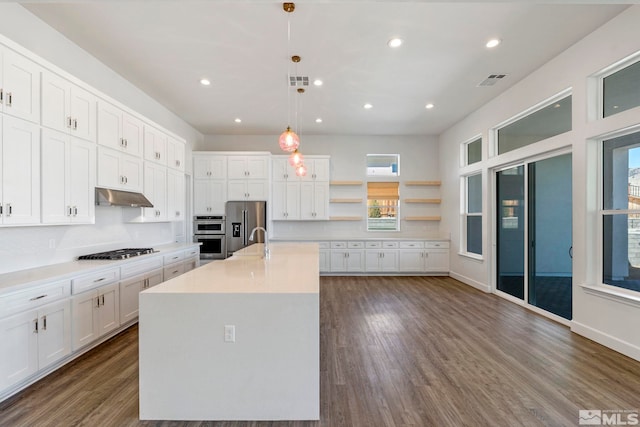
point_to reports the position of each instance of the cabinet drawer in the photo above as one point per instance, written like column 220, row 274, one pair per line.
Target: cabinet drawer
column 373, row 245
column 172, row 271
column 324, row 245
column 411, row 245
column 338, row 245
column 140, row 267
column 189, row 253
column 390, row 245
column 36, row 296
column 436, row 245
column 174, row 257
column 93, row 280
column 355, row 245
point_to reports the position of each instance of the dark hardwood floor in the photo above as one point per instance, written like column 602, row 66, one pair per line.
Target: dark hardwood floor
column 395, row 351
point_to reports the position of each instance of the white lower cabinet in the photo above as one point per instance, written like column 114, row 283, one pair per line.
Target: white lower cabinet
column 130, row 289
column 424, row 257
column 382, row 260
column 347, row 257
column 94, row 314
column 33, row 340
column 325, row 257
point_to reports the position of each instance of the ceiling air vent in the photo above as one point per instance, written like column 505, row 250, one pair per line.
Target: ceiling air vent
column 492, row 79
column 298, row 81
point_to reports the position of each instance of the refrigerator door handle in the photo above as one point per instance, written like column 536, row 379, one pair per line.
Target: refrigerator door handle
column 245, row 218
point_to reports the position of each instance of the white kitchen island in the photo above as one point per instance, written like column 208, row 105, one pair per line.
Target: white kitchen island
column 272, row 370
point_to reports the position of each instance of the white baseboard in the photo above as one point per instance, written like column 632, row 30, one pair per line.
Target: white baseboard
column 606, row 340
column 481, row 286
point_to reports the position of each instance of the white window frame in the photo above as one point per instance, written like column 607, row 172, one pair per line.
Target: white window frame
column 464, row 214
column 464, row 151
column 596, row 104
column 397, row 209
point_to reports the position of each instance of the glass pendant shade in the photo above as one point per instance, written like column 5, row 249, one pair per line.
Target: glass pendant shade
column 295, row 158
column 289, row 141
column 301, row 170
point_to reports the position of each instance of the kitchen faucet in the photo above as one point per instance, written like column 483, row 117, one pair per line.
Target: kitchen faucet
column 267, row 254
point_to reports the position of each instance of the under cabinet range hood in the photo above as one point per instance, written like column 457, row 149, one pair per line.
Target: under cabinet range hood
column 109, row 197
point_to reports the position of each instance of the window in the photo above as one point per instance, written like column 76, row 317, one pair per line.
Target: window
column 382, row 206
column 473, row 151
column 551, row 120
column 621, row 90
column 621, row 212
column 383, row 164
column 472, row 215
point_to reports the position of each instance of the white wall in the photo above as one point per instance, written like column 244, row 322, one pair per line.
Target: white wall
column 418, row 161
column 602, row 317
column 26, row 247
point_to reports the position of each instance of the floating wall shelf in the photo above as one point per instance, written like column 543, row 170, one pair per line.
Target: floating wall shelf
column 422, row 183
column 345, row 200
column 345, row 218
column 436, row 201
column 422, row 218
column 345, row 183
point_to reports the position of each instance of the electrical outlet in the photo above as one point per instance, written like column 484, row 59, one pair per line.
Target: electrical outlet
column 229, row 333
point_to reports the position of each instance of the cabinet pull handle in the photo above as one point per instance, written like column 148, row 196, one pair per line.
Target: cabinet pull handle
column 75, row 211
column 75, row 124
column 102, row 299
column 98, row 302
column 35, row 326
column 126, row 143
column 1, row 94
column 44, row 323
column 175, row 272
column 69, row 121
column 38, row 297
column 177, row 162
column 99, row 280
column 70, row 211
column 0, row 208
column 9, row 99
column 10, row 209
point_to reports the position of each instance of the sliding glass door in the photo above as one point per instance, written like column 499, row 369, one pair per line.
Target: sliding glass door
column 534, row 217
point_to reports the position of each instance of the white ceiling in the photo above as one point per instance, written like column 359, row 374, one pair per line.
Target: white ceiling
column 166, row 47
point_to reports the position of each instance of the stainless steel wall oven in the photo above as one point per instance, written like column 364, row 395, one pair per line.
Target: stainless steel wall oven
column 209, row 231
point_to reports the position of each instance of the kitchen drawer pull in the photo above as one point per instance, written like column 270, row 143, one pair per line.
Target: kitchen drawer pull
column 35, row 326
column 9, row 99
column 37, row 298
column 1, row 95
column 174, row 272
column 44, row 323
column 98, row 302
column 10, row 209
column 75, row 124
column 69, row 121
column 102, row 299
column 99, row 280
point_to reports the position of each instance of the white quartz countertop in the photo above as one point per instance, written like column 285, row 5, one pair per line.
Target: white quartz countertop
column 292, row 268
column 355, row 238
column 17, row 279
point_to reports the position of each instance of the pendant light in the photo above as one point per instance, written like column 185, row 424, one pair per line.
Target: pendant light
column 296, row 158
column 289, row 140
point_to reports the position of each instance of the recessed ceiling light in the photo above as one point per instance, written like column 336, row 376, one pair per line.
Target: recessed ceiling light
column 238, row 120
column 318, row 120
column 429, row 106
column 395, row 42
column 205, row 82
column 367, row 106
column 493, row 43
column 317, row 82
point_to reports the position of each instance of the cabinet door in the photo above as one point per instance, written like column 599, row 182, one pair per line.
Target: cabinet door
column 82, row 181
column 237, row 189
column 320, row 170
column 19, row 349
column 338, row 261
column 56, row 93
column 411, row 260
column 132, row 131
column 155, row 188
column 282, row 170
column 355, row 260
column 54, row 333
column 321, row 200
column 109, row 311
column 21, row 85
column 257, row 190
column 210, row 167
column 437, row 260
column 389, row 261
column 129, row 290
column 131, row 170
column 201, row 197
column 56, row 208
column 325, row 261
column 372, row 261
column 237, row 167
column 84, row 319
column 155, row 145
column 20, row 171
column 279, row 201
column 109, row 126
column 175, row 195
column 257, row 167
column 155, row 277
column 83, row 114
column 109, row 174
column 293, row 200
column 307, row 199
column 175, row 154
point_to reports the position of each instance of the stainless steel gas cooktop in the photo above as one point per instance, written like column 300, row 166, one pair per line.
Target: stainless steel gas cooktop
column 118, row 254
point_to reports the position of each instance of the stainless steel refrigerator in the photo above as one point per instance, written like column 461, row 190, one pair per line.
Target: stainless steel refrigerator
column 242, row 218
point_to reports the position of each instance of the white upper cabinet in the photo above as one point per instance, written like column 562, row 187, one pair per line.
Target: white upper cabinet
column 209, row 167
column 175, row 154
column 175, row 195
column 155, row 189
column 19, row 172
column 317, row 169
column 119, row 170
column 68, row 108
column 155, row 145
column 68, row 179
column 119, row 130
column 19, row 86
column 248, row 167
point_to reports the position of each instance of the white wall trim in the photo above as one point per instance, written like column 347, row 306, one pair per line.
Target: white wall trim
column 467, row 281
column 606, row 340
